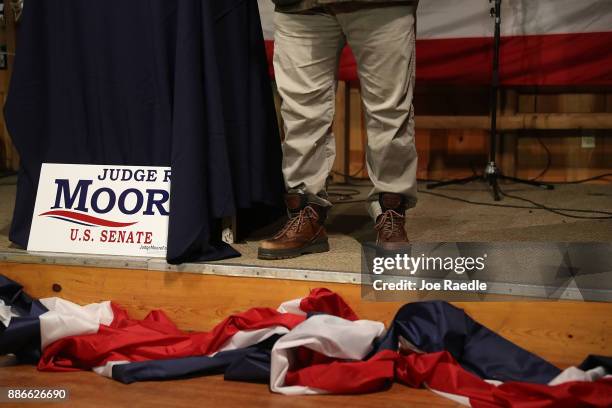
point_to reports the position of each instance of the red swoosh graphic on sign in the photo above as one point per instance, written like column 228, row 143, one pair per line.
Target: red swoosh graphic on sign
column 87, row 218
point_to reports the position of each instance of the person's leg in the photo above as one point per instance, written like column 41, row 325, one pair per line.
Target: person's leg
column 383, row 42
column 306, row 53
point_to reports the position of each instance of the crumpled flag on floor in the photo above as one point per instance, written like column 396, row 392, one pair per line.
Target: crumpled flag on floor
column 313, row 345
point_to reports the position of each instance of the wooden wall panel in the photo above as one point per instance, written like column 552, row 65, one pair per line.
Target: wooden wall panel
column 570, row 103
column 341, row 165
column 451, row 153
column 508, row 142
column 358, row 134
column 569, row 159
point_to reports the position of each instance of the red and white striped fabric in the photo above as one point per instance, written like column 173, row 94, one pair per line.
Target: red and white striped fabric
column 544, row 42
column 322, row 348
column 324, row 354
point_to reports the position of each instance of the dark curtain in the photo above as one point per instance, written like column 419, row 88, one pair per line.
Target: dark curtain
column 180, row 83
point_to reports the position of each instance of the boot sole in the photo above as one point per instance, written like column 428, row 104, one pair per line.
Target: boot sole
column 276, row 254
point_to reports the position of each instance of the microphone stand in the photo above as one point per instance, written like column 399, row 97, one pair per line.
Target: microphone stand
column 492, row 174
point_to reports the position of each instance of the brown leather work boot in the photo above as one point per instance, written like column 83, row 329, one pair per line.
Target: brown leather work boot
column 302, row 234
column 390, row 225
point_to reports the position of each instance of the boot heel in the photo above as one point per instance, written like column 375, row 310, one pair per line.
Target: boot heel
column 316, row 248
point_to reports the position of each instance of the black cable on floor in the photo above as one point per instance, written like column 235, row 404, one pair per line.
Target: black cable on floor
column 560, row 211
column 348, row 194
column 536, row 206
column 600, row 177
column 342, row 194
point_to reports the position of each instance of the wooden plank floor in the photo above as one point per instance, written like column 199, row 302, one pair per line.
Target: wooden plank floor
column 562, row 332
column 90, row 390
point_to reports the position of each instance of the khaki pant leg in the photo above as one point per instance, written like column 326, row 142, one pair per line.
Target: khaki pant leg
column 307, row 47
column 383, row 41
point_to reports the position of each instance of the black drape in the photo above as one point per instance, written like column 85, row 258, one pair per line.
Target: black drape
column 180, row 83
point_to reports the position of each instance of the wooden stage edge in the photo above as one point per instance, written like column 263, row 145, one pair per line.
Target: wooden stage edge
column 563, row 332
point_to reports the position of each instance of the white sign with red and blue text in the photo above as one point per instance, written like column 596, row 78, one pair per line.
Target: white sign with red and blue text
column 109, row 210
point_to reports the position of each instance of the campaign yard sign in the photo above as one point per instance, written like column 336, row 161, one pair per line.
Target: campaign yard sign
column 109, row 210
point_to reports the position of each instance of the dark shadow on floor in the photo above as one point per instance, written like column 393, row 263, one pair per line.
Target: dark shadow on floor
column 358, row 226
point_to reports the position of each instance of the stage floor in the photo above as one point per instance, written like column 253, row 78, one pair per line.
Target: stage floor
column 435, row 219
column 87, row 389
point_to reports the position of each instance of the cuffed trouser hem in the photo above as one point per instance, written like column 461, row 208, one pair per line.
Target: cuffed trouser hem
column 372, row 203
column 318, row 199
column 374, row 208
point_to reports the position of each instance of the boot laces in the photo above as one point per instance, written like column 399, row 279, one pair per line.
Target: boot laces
column 390, row 224
column 296, row 223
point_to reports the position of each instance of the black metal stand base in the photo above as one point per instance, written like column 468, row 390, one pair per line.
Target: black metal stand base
column 491, row 176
